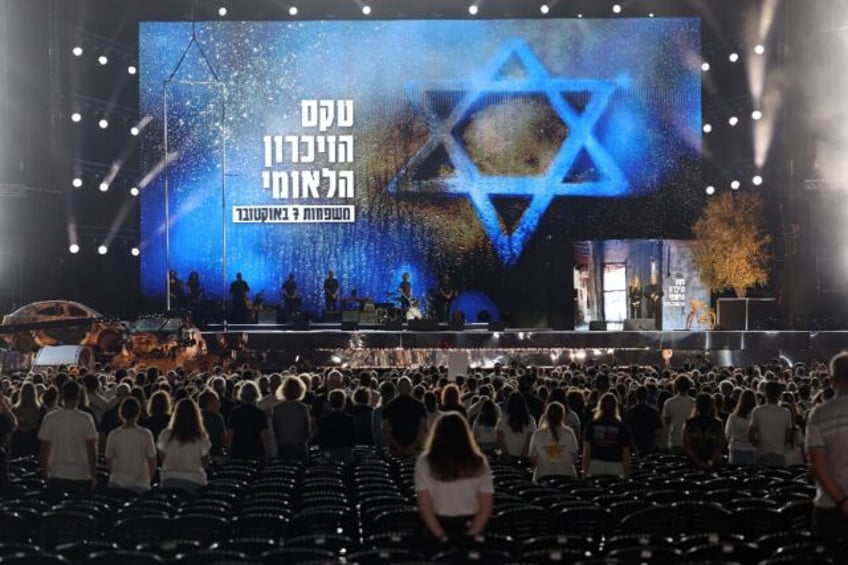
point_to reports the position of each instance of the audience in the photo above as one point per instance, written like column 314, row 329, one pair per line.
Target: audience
column 515, row 428
column 337, row 430
column 130, row 452
column 740, row 450
column 404, row 421
column 184, row 446
column 606, row 445
column 553, row 447
column 248, row 426
column 292, row 427
column 771, row 429
column 703, row 434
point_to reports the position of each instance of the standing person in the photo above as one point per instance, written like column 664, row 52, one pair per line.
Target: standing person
column 387, row 394
column 362, row 413
column 445, row 295
column 654, row 294
column 69, row 445
column 827, row 438
column 485, row 426
column 290, row 418
column 213, row 423
column 184, row 447
column 771, row 429
column 644, row 423
column 27, row 411
column 158, row 412
column 553, row 447
column 130, row 452
column 195, row 290
column 239, row 311
column 248, row 426
column 634, row 292
column 404, row 421
column 291, row 297
column 515, row 428
column 331, row 292
column 337, row 430
column 676, row 411
column 606, row 445
column 453, row 481
column 703, row 434
column 176, row 290
column 405, row 290
column 739, row 448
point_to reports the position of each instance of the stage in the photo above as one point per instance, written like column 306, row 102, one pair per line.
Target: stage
column 324, row 345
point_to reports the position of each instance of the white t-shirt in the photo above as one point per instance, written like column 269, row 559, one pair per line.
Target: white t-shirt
column 676, row 411
column 771, row 422
column 453, row 498
column 183, row 461
column 515, row 441
column 486, row 436
column 795, row 453
column 827, row 429
column 129, row 450
column 68, row 431
column 736, row 431
column 553, row 457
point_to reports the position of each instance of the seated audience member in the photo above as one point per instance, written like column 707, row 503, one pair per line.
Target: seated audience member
column 159, row 412
column 292, row 426
column 130, row 451
column 644, row 423
column 69, row 445
column 453, row 481
column 515, row 428
column 771, row 429
column 336, row 430
column 213, row 423
column 404, row 421
column 485, row 427
column 248, row 426
column 553, row 447
column 703, row 434
column 184, row 446
column 362, row 412
column 606, row 442
column 740, row 450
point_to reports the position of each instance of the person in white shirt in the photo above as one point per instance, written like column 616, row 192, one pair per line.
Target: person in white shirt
column 771, row 429
column 485, row 426
column 515, row 428
column 69, row 445
column 130, row 452
column 184, row 446
column 676, row 411
column 740, row 450
column 553, row 447
column 453, row 481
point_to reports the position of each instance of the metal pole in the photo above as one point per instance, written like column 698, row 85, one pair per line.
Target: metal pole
column 167, row 207
column 224, row 194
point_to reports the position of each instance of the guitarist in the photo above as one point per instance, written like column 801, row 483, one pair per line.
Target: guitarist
column 331, row 291
column 405, row 289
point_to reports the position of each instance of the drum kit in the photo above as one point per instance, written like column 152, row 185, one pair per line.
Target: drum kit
column 394, row 310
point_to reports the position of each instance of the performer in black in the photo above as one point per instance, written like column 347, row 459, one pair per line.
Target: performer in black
column 634, row 292
column 291, row 298
column 240, row 311
column 195, row 290
column 405, row 289
column 444, row 297
column 653, row 294
column 331, row 291
column 176, row 290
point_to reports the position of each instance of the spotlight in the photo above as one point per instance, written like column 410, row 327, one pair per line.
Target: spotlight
column 76, row 117
column 734, row 57
column 103, row 123
column 103, row 250
column 74, row 248
column 472, row 9
column 733, row 120
column 134, row 191
column 705, row 66
column 759, row 49
column 616, row 8
column 132, row 69
column 293, row 11
column 134, row 131
column 135, row 252
column 579, row 15
column 366, row 10
column 222, row 11
column 104, row 187
column 756, row 115
column 708, row 128
column 735, row 185
column 77, row 182
column 757, row 180
column 103, row 60
column 544, row 8
column 77, row 51
column 651, row 15
column 710, row 190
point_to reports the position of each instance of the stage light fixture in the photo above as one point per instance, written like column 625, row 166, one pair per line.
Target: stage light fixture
column 134, row 131
column 132, row 69
column 735, row 185
column 756, row 115
column 579, row 15
column 104, row 187
column 77, row 51
column 77, row 182
column 472, row 9
column 708, row 128
column 544, row 8
column 616, row 8
column 757, row 180
column 103, row 123
column 103, row 250
column 733, row 121
column 74, row 248
column 705, row 66
column 222, row 11
column 103, row 60
column 366, row 10
column 135, row 252
column 651, row 15
column 759, row 49
column 293, row 11
column 734, row 57
column 76, row 117
column 134, row 191
column 710, row 190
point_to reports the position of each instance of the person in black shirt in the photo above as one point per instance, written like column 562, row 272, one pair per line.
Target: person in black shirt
column 404, row 420
column 535, row 405
column 703, row 434
column 248, row 426
column 331, row 291
column 337, row 430
column 644, row 423
column 239, row 313
column 291, row 298
column 606, row 445
column 362, row 414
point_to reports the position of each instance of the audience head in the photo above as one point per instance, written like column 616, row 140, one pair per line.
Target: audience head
column 404, row 386
column 249, row 392
column 186, row 424
column 704, row 405
column 336, row 399
column 292, row 388
column 607, row 408
column 129, row 410
column 71, row 394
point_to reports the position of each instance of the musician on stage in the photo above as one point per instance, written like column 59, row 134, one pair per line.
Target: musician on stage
column 331, row 291
column 634, row 293
column 654, row 294
column 239, row 312
column 405, row 289
column 445, row 295
column 176, row 290
column 291, row 298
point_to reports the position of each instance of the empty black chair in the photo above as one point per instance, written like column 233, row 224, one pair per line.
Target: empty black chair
column 333, row 543
column 123, row 557
column 205, row 529
column 80, row 551
column 169, row 549
column 756, row 521
column 383, row 556
column 249, row 547
column 297, row 555
column 14, row 528
column 563, row 555
column 727, row 552
column 693, row 516
column 325, row 521
column 133, row 531
column 472, row 556
column 658, row 555
column 592, row 522
column 622, row 541
column 260, row 525
column 770, row 543
column 212, row 557
column 521, row 523
column 405, row 520
column 61, row 527
column 560, row 541
column 796, row 515
column 7, row 549
column 37, row 559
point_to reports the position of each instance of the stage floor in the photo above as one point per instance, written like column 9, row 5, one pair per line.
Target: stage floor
column 379, row 347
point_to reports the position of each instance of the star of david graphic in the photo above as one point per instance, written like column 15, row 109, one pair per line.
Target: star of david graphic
column 538, row 191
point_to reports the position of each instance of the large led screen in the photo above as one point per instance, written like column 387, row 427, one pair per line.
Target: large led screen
column 373, row 148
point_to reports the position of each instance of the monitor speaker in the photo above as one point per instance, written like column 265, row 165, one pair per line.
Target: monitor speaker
column 597, row 326
column 350, row 326
column 300, row 323
column 394, row 325
column 640, row 324
column 423, row 325
column 350, row 316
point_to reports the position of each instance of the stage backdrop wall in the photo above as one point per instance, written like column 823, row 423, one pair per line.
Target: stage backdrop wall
column 431, row 147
